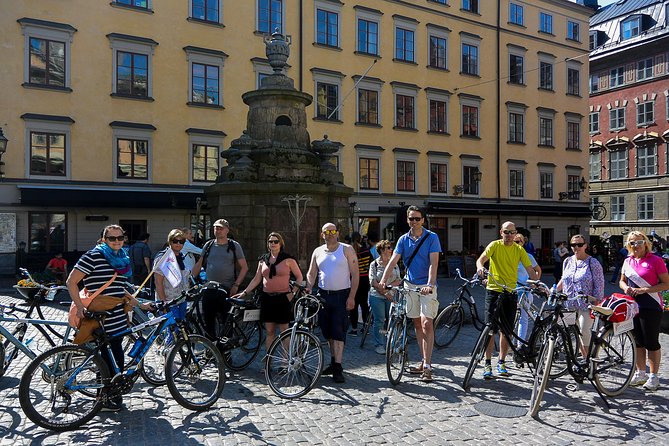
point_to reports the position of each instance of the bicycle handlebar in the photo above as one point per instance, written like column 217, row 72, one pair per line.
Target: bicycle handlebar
column 474, row 281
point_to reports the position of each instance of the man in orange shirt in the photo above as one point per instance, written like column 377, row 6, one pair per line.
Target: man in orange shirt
column 57, row 267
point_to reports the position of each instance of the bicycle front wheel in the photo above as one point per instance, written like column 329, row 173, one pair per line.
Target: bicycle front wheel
column 195, row 373
column 249, row 336
column 153, row 363
column 542, row 375
column 614, row 361
column 55, row 389
column 365, row 329
column 396, row 351
column 447, row 325
column 477, row 356
column 294, row 375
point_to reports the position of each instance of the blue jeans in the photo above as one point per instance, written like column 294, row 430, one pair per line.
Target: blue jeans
column 380, row 307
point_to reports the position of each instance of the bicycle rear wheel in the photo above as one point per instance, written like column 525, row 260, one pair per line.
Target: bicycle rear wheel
column 365, row 329
column 614, row 359
column 195, row 373
column 447, row 325
column 247, row 338
column 542, row 375
column 477, row 356
column 51, row 393
column 292, row 376
column 396, row 351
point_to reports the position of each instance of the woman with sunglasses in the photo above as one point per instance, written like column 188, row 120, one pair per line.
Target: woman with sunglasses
column 379, row 298
column 582, row 275
column 165, row 291
column 274, row 271
column 643, row 276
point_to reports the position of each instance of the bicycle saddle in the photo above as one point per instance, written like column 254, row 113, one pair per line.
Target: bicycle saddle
column 241, row 302
column 602, row 310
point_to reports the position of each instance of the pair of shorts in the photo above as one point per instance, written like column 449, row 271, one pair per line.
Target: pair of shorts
column 333, row 317
column 275, row 308
column 647, row 329
column 419, row 304
column 508, row 303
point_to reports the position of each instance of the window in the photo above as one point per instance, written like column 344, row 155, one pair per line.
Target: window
column 645, row 207
column 327, row 27
column 439, row 178
column 404, row 112
column 132, row 66
column 469, row 180
column 262, row 70
column 133, row 160
column 368, row 173
column 596, row 165
column 573, row 188
column 515, row 69
column 47, row 232
column 438, row 116
column 206, row 10
column 546, row 184
column 617, row 208
column 617, row 164
column 516, row 127
column 471, row 5
column 437, row 52
column 404, row 45
column 368, row 106
column 516, row 182
column 270, row 16
column 546, row 75
column 617, row 118
column 327, row 100
column 470, row 59
column 205, row 162
column 630, row 28
column 645, row 113
column 406, row 176
column 545, row 131
column 470, row 120
column 135, row 3
column 205, row 76
column 545, row 23
column 573, row 81
column 573, row 132
column 515, row 14
column 593, row 40
column 644, row 69
column 646, row 160
column 593, row 122
column 47, row 53
column 594, row 83
column 47, row 154
column 368, row 36
column 617, row 77
column 573, row 31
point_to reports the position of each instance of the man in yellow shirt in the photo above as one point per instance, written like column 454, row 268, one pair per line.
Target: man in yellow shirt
column 504, row 256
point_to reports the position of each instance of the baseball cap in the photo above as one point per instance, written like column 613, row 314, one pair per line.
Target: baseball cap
column 222, row 222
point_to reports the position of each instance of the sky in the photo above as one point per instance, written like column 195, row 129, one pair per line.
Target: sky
column 605, row 2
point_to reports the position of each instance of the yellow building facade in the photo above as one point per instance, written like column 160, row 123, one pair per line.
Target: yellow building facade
column 117, row 111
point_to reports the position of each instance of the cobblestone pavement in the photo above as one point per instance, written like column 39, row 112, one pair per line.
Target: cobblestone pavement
column 366, row 409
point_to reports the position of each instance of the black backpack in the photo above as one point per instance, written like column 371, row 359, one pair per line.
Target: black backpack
column 207, row 247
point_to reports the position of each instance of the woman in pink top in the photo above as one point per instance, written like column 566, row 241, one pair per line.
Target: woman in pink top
column 643, row 276
column 274, row 270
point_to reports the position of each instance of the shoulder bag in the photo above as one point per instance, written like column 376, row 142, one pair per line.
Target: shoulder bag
column 86, row 299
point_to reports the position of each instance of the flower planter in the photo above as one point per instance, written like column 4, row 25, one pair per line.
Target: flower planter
column 27, row 292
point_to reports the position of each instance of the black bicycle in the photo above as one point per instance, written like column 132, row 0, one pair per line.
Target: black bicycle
column 449, row 321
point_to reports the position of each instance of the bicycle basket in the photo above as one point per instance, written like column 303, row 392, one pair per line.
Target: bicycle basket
column 624, row 307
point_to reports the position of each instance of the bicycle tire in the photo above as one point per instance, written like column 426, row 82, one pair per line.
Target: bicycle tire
column 542, row 375
column 195, row 373
column 294, row 376
column 396, row 351
column 11, row 351
column 366, row 327
column 477, row 356
column 447, row 325
column 614, row 359
column 560, row 364
column 249, row 337
column 41, row 391
column 2, row 359
column 153, row 362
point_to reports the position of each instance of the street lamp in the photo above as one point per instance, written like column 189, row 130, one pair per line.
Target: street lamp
column 351, row 213
column 3, row 149
column 583, row 184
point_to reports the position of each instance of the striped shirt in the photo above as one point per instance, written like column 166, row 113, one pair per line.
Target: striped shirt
column 98, row 272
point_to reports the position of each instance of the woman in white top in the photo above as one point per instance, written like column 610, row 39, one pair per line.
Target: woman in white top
column 165, row 291
column 380, row 299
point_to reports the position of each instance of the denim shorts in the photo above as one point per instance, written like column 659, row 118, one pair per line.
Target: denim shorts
column 333, row 317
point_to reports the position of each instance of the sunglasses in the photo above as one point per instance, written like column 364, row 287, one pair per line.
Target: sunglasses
column 414, row 218
column 273, row 242
column 330, row 232
column 518, row 241
column 179, row 241
column 579, row 245
column 637, row 242
column 115, row 238
column 508, row 232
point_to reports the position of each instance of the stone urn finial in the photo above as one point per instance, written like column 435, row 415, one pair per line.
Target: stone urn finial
column 277, row 49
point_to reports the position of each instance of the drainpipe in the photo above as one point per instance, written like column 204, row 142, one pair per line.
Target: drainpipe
column 499, row 113
column 301, row 47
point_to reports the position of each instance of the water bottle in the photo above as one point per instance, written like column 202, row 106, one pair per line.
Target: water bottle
column 203, row 276
column 137, row 346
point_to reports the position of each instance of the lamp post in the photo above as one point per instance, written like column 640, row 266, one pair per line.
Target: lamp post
column 297, row 214
column 352, row 209
column 3, row 149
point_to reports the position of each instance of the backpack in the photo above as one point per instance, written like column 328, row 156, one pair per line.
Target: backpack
column 207, row 247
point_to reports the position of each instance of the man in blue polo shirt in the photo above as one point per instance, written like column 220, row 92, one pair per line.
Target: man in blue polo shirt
column 421, row 272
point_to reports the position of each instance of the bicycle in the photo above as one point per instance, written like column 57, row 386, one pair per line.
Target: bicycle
column 396, row 344
column 65, row 387
column 449, row 321
column 608, row 365
column 294, row 361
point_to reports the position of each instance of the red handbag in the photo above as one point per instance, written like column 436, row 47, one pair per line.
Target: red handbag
column 624, row 307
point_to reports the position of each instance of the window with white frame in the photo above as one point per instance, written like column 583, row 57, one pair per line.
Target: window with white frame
column 516, row 66
column 617, row 208
column 46, row 57
column 405, row 40
column 48, row 146
column 327, row 90
column 471, row 5
column 573, row 134
column 573, row 186
column 646, row 159
column 546, row 183
column 630, row 28
column 204, row 155
column 470, row 171
column 573, row 31
column 617, row 77
column 133, row 148
column 545, row 23
column 368, row 173
column 469, row 116
column 205, row 76
column 645, row 113
column 596, row 165
column 618, row 164
column 546, row 62
column 437, row 47
column 593, row 40
column 406, row 175
column 438, row 101
column 644, row 69
column 593, row 122
column 573, row 78
column 270, row 16
column 516, row 181
column 368, row 31
column 405, row 105
column 206, row 10
column 327, row 23
column 470, row 54
column 439, row 176
column 645, row 204
column 546, row 118
column 262, row 69
column 140, row 4
column 516, row 14
column 516, row 113
column 594, row 83
column 369, row 107
column 617, row 118
column 132, row 66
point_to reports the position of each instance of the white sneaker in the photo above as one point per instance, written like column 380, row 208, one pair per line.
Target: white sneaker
column 652, row 384
column 380, row 349
column 639, row 378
